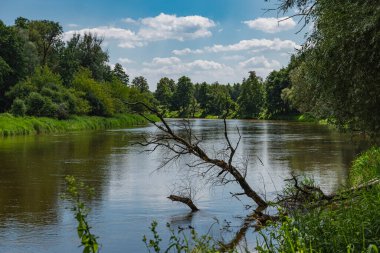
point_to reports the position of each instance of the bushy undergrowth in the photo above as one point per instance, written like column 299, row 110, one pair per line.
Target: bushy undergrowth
column 365, row 167
column 11, row 125
column 182, row 240
column 351, row 224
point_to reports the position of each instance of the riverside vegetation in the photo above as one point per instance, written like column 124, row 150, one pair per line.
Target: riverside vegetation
column 334, row 76
column 42, row 75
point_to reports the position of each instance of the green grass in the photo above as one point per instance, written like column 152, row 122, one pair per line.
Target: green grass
column 349, row 225
column 11, row 125
column 365, row 167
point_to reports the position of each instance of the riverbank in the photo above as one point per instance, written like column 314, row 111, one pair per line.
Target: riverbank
column 303, row 117
column 11, row 125
column 348, row 223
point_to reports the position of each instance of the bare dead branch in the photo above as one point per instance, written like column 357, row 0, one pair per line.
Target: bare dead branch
column 184, row 200
column 180, row 146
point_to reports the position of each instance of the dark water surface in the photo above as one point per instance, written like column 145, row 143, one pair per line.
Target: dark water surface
column 129, row 194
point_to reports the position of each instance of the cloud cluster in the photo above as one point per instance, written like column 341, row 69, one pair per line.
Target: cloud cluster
column 260, row 61
column 187, row 51
column 271, row 25
column 205, row 70
column 161, row 27
column 243, row 45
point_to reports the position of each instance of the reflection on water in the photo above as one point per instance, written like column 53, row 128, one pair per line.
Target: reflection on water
column 129, row 194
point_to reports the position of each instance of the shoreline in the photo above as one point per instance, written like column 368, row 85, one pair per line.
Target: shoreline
column 29, row 125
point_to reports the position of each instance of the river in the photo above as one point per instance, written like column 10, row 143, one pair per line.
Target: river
column 130, row 193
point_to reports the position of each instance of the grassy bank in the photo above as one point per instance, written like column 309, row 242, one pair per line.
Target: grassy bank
column 11, row 125
column 350, row 224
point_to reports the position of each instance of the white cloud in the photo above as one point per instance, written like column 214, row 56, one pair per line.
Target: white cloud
column 186, row 51
column 260, row 61
column 129, row 21
column 260, row 64
column 127, row 38
column 271, row 25
column 255, row 45
column 124, row 60
column 233, row 57
column 163, row 27
column 204, row 65
column 198, row 70
column 275, row 44
column 165, row 61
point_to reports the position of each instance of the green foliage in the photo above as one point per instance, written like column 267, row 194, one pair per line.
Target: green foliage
column 46, row 36
column 18, row 107
column 183, row 96
column 274, row 85
column 135, row 96
column 286, row 237
column 251, row 99
column 164, row 92
column 180, row 241
column 84, row 52
column 75, row 194
column 12, row 62
column 120, row 74
column 365, row 167
column 140, row 83
column 219, row 101
column 44, row 95
column 351, row 224
column 339, row 75
column 97, row 94
column 10, row 125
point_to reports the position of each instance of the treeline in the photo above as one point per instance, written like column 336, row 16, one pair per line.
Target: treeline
column 253, row 98
column 334, row 76
column 42, row 75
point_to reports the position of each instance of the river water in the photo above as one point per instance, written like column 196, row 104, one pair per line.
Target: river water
column 130, row 193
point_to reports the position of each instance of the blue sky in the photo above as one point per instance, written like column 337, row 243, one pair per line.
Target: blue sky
column 207, row 40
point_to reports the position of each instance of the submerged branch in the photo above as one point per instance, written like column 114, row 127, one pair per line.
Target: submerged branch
column 184, row 200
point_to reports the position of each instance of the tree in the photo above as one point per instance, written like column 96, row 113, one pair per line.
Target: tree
column 13, row 65
column 341, row 62
column 120, row 74
column 141, row 84
column 44, row 95
column 201, row 93
column 250, row 100
column 46, row 35
column 164, row 91
column 86, row 52
column 274, row 84
column 183, row 95
column 219, row 101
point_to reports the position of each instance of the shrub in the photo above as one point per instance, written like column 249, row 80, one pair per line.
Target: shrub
column 18, row 107
column 365, row 167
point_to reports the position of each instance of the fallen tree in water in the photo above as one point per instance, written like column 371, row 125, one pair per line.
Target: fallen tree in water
column 217, row 171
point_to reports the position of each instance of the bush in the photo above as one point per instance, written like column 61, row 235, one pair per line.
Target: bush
column 365, row 167
column 348, row 224
column 18, row 107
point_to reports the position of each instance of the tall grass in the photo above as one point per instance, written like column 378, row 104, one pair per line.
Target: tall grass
column 348, row 225
column 11, row 125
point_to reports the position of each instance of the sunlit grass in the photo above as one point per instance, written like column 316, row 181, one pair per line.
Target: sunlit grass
column 11, row 125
